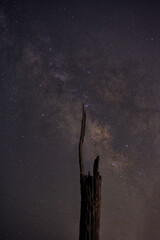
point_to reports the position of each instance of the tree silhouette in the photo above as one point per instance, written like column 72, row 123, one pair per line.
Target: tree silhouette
column 90, row 193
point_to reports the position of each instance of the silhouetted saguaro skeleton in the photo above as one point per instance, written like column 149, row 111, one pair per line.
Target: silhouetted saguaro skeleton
column 90, row 194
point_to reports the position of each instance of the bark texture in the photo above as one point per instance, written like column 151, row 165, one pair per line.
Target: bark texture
column 90, row 194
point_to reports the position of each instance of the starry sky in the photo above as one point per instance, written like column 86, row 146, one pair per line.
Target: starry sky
column 54, row 55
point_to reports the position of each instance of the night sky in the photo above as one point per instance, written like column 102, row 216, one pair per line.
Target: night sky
column 54, row 56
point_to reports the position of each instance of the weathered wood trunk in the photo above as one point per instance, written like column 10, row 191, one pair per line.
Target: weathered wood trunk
column 90, row 195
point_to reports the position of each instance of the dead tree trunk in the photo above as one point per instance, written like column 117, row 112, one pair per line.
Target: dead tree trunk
column 90, row 194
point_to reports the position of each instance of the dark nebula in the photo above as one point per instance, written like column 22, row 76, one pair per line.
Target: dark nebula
column 55, row 55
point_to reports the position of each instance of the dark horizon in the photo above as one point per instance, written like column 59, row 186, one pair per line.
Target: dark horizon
column 54, row 56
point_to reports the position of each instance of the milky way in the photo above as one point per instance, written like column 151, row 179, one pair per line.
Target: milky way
column 54, row 57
